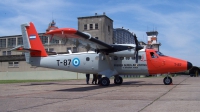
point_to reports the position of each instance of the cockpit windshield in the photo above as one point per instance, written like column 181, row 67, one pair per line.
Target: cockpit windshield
column 159, row 53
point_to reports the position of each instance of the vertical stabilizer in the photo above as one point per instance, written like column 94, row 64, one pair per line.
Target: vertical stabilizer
column 32, row 42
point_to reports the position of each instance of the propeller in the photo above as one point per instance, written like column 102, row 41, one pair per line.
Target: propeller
column 137, row 48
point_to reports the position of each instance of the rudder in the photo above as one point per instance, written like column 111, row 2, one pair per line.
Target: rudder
column 32, row 41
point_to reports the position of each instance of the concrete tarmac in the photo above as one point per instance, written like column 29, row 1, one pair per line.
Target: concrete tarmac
column 134, row 95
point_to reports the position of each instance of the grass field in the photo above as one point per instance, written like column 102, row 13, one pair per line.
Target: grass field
column 24, row 81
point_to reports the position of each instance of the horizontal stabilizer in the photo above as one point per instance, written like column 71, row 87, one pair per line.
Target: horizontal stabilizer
column 22, row 49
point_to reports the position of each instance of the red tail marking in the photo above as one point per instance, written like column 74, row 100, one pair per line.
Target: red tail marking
column 35, row 42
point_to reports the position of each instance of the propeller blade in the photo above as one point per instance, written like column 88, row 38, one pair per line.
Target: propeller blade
column 136, row 57
column 136, row 49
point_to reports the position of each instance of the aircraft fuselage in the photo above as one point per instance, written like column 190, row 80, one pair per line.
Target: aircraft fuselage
column 123, row 62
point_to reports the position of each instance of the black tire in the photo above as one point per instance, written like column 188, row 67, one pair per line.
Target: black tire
column 196, row 73
column 167, row 80
column 118, row 80
column 105, row 81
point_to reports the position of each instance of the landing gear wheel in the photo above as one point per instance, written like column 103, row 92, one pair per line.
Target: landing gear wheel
column 118, row 80
column 167, row 80
column 105, row 81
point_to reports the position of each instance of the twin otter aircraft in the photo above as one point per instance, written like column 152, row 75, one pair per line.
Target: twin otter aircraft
column 107, row 60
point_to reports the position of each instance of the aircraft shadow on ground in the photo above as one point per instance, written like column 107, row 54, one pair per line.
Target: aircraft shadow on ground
column 94, row 87
column 36, row 84
column 89, row 87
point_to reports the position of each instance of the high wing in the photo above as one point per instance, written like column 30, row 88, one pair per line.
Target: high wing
column 85, row 40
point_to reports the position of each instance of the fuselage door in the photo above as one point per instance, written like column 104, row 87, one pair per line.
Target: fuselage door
column 155, row 60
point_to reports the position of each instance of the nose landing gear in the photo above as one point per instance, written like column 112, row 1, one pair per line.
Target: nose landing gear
column 167, row 80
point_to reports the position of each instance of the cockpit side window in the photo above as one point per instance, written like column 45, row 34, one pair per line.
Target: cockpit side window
column 153, row 55
column 159, row 53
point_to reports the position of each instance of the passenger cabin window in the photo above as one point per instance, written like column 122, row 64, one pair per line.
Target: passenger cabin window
column 127, row 58
column 133, row 58
column 87, row 59
column 153, row 55
column 115, row 57
column 139, row 57
column 121, row 58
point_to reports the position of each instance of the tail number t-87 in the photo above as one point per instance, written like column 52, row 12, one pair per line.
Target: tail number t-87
column 64, row 62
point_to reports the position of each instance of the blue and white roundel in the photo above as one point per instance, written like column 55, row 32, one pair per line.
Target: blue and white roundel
column 76, row 62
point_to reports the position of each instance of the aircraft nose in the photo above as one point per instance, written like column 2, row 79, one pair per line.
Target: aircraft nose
column 189, row 65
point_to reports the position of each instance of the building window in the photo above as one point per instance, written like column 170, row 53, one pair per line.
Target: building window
column 8, row 52
column 74, row 49
column 64, row 41
column 2, row 43
column 13, row 64
column 11, row 42
column 96, row 26
column 54, row 41
column 108, row 28
column 91, row 26
column 85, row 26
column 4, row 53
column 46, row 50
column 51, row 49
column 44, row 39
column 19, row 41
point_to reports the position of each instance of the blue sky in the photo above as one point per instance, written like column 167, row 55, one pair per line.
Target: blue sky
column 177, row 21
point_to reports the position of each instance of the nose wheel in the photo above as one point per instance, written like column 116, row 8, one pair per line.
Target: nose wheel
column 167, row 80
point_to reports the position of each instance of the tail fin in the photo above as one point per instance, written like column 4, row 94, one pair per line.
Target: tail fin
column 32, row 44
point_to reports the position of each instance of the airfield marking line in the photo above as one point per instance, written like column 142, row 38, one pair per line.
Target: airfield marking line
column 63, row 100
column 162, row 95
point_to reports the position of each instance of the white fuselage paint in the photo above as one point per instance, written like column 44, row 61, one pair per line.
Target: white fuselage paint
column 92, row 62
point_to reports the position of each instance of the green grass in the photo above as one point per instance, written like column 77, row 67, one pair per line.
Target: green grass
column 24, row 81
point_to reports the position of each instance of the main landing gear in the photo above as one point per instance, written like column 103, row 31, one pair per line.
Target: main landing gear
column 118, row 80
column 167, row 80
column 105, row 81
